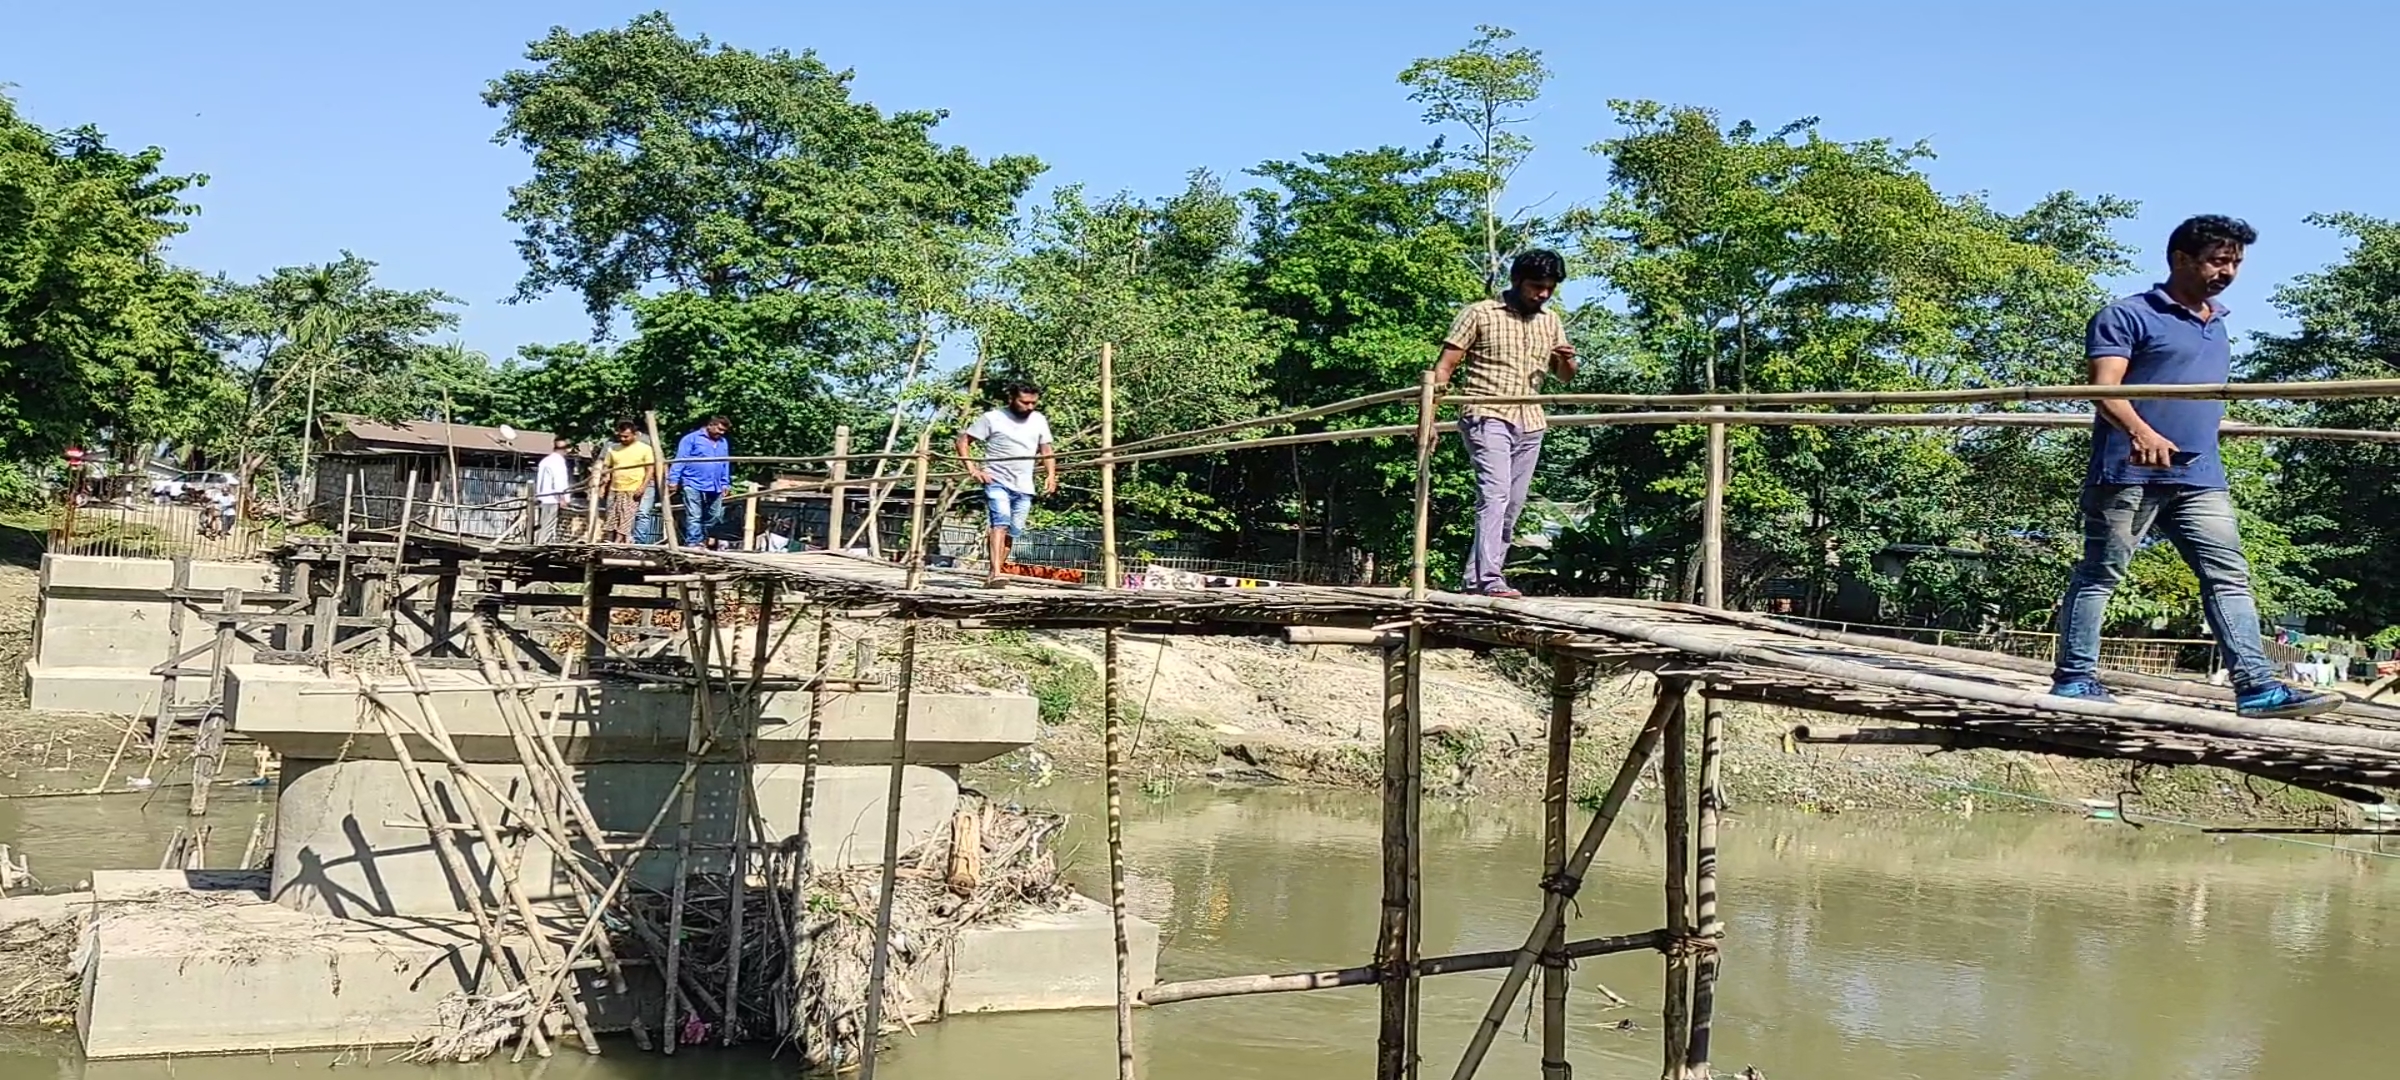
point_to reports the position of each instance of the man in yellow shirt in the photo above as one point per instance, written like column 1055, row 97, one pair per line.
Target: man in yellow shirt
column 630, row 465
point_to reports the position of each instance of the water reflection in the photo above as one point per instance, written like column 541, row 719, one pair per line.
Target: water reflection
column 2032, row 948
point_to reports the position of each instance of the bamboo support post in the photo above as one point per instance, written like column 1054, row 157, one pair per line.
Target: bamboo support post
column 1704, row 875
column 208, row 744
column 1675, row 1013
column 1395, row 943
column 697, row 641
column 1558, row 891
column 814, row 736
column 1113, row 748
column 879, row 966
column 745, row 777
column 1424, row 502
column 837, row 499
column 163, row 724
column 559, row 811
column 1565, row 684
column 505, row 863
column 461, row 873
column 917, row 548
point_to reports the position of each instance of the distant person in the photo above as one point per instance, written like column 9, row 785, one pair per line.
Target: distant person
column 1508, row 344
column 700, row 471
column 1012, row 437
column 2156, row 463
column 630, row 464
column 552, row 484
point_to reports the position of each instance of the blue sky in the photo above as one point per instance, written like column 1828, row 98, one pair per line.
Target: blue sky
column 330, row 126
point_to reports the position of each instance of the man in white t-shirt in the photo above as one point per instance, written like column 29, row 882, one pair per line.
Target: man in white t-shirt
column 1013, row 436
column 551, row 486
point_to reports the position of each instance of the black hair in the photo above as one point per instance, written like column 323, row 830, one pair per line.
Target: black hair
column 1010, row 389
column 717, row 418
column 1538, row 264
column 2198, row 234
column 561, row 442
column 623, row 425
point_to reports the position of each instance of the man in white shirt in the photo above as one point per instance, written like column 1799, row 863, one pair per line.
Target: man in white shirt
column 551, row 486
column 1013, row 437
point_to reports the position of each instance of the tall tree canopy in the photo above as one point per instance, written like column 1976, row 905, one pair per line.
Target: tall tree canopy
column 790, row 248
column 99, row 334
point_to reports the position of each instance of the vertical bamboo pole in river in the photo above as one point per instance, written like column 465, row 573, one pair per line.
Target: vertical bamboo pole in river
column 1711, row 926
column 879, row 966
column 1565, row 681
column 1112, row 718
column 1675, row 1013
column 1403, row 743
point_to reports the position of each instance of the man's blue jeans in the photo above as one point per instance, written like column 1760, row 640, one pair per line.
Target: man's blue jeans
column 2200, row 523
column 702, row 511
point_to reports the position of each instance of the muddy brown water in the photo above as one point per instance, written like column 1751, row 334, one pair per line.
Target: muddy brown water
column 2025, row 947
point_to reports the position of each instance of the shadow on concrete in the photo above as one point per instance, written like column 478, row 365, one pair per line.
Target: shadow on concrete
column 20, row 546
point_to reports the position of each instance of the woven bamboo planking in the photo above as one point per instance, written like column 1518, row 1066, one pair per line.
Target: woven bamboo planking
column 1994, row 701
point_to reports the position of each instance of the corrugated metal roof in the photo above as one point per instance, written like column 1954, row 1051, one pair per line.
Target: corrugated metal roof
column 362, row 433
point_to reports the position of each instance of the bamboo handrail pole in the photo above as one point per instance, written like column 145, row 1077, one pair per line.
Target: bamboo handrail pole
column 1418, row 553
column 2241, row 391
column 391, row 585
column 1557, row 892
column 837, row 504
column 879, row 966
column 2063, row 421
column 1565, row 685
column 1108, row 468
column 666, row 511
column 916, row 513
column 1385, row 397
column 1674, row 781
column 1338, row 978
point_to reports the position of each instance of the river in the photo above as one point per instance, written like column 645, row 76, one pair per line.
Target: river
column 2001, row 946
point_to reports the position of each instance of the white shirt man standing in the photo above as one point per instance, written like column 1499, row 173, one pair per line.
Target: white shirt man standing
column 1013, row 436
column 552, row 484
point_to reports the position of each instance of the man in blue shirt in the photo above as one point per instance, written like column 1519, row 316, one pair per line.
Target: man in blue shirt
column 2156, row 463
column 702, row 473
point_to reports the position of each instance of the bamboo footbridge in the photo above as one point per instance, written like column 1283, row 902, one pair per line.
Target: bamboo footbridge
column 1700, row 655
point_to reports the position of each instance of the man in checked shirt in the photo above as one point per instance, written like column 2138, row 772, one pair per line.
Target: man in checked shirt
column 1508, row 345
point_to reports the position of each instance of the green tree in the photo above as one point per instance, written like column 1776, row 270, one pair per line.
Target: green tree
column 1486, row 90
column 99, row 334
column 795, row 254
column 1163, row 282
column 2341, row 498
column 1782, row 260
column 1367, row 255
column 328, row 338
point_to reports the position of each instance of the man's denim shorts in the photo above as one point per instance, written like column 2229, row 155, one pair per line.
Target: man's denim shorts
column 1006, row 509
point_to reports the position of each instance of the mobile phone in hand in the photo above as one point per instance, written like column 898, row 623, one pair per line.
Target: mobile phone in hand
column 2183, row 458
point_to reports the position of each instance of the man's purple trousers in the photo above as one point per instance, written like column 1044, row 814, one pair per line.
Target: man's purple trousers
column 1504, row 459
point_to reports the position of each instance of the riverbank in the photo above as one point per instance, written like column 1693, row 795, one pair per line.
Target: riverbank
column 1255, row 710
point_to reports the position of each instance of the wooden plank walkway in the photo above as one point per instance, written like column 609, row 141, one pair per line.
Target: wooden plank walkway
column 1976, row 699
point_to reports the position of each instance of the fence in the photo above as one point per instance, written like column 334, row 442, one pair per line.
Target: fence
column 144, row 527
column 2149, row 656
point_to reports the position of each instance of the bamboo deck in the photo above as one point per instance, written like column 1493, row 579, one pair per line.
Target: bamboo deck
column 1973, row 698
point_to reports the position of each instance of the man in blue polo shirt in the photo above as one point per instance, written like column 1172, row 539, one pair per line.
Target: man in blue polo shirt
column 701, row 472
column 2156, row 463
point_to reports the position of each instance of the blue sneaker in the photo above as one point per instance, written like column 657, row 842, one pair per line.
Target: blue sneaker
column 2082, row 690
column 2285, row 701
